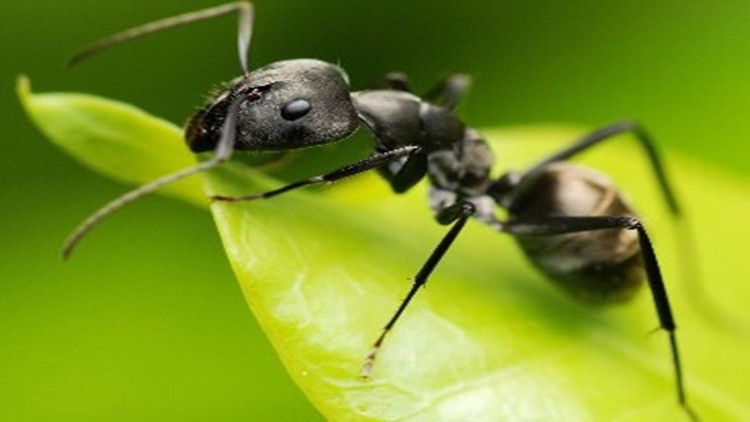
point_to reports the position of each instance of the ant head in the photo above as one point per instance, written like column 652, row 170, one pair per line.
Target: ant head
column 285, row 105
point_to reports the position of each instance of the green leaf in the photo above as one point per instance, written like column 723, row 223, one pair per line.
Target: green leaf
column 489, row 338
column 112, row 138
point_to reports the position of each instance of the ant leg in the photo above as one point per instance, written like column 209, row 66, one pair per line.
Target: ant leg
column 397, row 81
column 223, row 151
column 448, row 92
column 458, row 212
column 561, row 225
column 244, row 33
column 403, row 174
column 370, row 163
column 595, row 138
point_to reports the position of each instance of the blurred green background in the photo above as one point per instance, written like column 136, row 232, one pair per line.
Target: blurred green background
column 147, row 322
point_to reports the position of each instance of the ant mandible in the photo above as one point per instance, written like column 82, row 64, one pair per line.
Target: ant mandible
column 571, row 221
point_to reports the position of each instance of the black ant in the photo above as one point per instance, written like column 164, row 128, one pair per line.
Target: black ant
column 571, row 221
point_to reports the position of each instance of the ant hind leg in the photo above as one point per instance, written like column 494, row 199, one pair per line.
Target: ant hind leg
column 561, row 225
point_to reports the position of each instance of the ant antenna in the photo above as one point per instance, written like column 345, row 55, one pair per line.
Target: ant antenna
column 222, row 153
column 244, row 32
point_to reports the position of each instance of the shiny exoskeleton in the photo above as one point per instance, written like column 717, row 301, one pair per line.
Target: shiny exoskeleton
column 599, row 266
column 571, row 221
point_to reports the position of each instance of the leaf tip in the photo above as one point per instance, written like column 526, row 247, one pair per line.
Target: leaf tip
column 23, row 88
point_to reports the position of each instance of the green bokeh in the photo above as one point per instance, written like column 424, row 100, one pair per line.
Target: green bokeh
column 147, row 321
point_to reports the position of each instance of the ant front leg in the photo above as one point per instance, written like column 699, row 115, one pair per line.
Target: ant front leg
column 449, row 91
column 561, row 225
column 458, row 213
column 406, row 172
column 397, row 81
column 370, row 163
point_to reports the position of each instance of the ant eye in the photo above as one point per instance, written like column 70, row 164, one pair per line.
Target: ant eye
column 295, row 109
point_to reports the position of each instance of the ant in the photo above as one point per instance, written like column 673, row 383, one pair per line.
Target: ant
column 571, row 222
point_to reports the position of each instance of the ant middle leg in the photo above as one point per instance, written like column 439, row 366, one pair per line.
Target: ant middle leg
column 457, row 213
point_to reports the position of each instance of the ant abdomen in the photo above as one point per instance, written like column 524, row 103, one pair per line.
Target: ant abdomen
column 599, row 266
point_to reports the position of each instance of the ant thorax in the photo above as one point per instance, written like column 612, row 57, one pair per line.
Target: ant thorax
column 461, row 172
